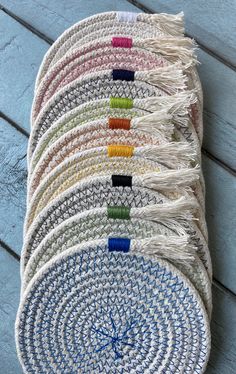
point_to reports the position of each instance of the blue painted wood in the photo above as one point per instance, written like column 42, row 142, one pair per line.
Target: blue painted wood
column 9, row 300
column 219, row 81
column 219, row 88
column 13, row 174
column 223, row 329
column 20, row 55
column 221, row 218
column 53, row 16
column 211, row 22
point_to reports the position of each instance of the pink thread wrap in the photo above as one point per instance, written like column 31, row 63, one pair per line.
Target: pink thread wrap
column 119, row 42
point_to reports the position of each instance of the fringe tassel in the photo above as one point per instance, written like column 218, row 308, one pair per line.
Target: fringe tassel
column 174, row 48
column 179, row 102
column 177, row 105
column 170, row 78
column 170, row 179
column 158, row 123
column 182, row 208
column 168, row 247
column 169, row 23
column 172, row 154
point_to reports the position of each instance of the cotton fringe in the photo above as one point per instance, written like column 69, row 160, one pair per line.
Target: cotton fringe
column 170, row 78
column 168, row 247
column 182, row 208
column 175, row 49
column 172, row 154
column 159, row 124
column 168, row 23
column 177, row 105
column 170, row 179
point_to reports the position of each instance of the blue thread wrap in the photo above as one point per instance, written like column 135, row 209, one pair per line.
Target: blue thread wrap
column 118, row 245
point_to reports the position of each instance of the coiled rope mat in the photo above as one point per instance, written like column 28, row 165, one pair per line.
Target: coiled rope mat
column 116, row 271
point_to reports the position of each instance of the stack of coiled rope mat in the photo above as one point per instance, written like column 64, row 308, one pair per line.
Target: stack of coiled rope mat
column 116, row 271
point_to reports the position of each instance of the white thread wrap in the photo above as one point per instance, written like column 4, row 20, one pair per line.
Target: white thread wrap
column 126, row 17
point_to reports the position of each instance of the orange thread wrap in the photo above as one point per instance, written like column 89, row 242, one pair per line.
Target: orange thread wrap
column 119, row 123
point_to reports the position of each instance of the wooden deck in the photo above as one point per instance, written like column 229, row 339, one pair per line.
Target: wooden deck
column 27, row 28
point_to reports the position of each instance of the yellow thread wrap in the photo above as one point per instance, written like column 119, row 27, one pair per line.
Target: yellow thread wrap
column 120, row 151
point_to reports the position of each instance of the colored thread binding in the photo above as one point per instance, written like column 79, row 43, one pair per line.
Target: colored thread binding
column 118, row 245
column 118, row 212
column 123, row 75
column 119, row 42
column 119, row 123
column 121, row 181
column 120, row 151
column 121, row 102
column 126, row 17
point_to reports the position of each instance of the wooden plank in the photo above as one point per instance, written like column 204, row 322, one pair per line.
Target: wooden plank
column 211, row 22
column 220, row 111
column 219, row 88
column 223, row 328
column 223, row 356
column 20, row 55
column 13, row 174
column 53, row 17
column 9, row 300
column 220, row 214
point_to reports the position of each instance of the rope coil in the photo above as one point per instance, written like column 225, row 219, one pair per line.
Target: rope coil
column 118, row 212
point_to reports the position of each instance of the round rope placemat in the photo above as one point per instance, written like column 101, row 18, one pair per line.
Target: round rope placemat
column 162, row 157
column 102, row 55
column 114, row 191
column 111, row 23
column 93, row 310
column 97, row 86
column 167, row 240
column 140, row 119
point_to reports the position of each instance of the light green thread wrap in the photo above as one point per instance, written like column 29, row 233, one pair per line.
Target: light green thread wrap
column 121, row 102
column 118, row 212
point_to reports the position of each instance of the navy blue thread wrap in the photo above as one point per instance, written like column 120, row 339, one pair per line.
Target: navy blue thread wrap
column 123, row 75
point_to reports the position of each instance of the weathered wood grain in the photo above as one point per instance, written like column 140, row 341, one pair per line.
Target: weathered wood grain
column 9, row 300
column 221, row 219
column 53, row 17
column 219, row 81
column 223, row 356
column 223, row 328
column 13, row 176
column 211, row 22
column 219, row 88
column 20, row 55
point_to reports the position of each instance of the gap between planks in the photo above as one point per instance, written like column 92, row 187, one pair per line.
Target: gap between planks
column 14, row 124
column 146, row 9
column 27, row 25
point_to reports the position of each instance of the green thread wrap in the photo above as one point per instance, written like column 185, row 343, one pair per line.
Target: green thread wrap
column 121, row 102
column 118, row 212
